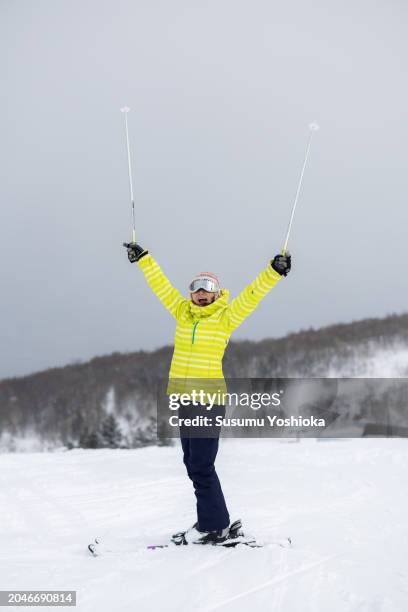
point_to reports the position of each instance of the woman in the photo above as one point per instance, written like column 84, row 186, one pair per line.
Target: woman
column 205, row 323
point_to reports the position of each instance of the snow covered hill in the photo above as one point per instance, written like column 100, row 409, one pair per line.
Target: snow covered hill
column 344, row 503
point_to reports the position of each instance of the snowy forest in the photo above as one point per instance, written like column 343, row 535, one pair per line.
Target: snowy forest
column 110, row 401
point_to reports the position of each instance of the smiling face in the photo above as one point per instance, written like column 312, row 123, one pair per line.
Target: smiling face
column 203, row 297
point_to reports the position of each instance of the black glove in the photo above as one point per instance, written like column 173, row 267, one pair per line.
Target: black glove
column 282, row 264
column 134, row 251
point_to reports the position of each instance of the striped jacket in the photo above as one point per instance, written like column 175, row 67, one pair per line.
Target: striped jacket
column 202, row 333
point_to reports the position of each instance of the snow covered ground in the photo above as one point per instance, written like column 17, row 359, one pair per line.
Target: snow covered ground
column 344, row 503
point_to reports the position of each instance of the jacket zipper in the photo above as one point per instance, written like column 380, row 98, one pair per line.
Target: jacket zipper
column 194, row 330
column 191, row 350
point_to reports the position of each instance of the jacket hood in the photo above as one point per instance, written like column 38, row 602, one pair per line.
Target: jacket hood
column 200, row 312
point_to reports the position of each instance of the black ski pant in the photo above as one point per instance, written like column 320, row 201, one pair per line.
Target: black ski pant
column 199, row 457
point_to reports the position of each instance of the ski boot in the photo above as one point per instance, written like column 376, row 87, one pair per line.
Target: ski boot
column 195, row 536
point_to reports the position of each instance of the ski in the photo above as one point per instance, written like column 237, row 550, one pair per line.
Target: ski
column 228, row 543
column 92, row 548
column 235, row 538
column 250, row 543
column 96, row 549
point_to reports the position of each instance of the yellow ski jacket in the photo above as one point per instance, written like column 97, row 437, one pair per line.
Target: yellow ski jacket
column 202, row 333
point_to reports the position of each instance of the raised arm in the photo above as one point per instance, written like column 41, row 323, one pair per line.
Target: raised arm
column 246, row 302
column 156, row 279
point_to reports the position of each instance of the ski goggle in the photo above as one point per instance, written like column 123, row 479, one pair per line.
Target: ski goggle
column 208, row 284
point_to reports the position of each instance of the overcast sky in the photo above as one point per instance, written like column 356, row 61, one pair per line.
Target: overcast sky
column 221, row 94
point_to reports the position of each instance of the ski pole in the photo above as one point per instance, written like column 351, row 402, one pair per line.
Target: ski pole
column 125, row 111
column 313, row 127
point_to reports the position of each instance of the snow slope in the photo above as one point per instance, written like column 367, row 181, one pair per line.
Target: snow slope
column 344, row 503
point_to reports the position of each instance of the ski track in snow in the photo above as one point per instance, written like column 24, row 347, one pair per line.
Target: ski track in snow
column 280, row 579
column 344, row 503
